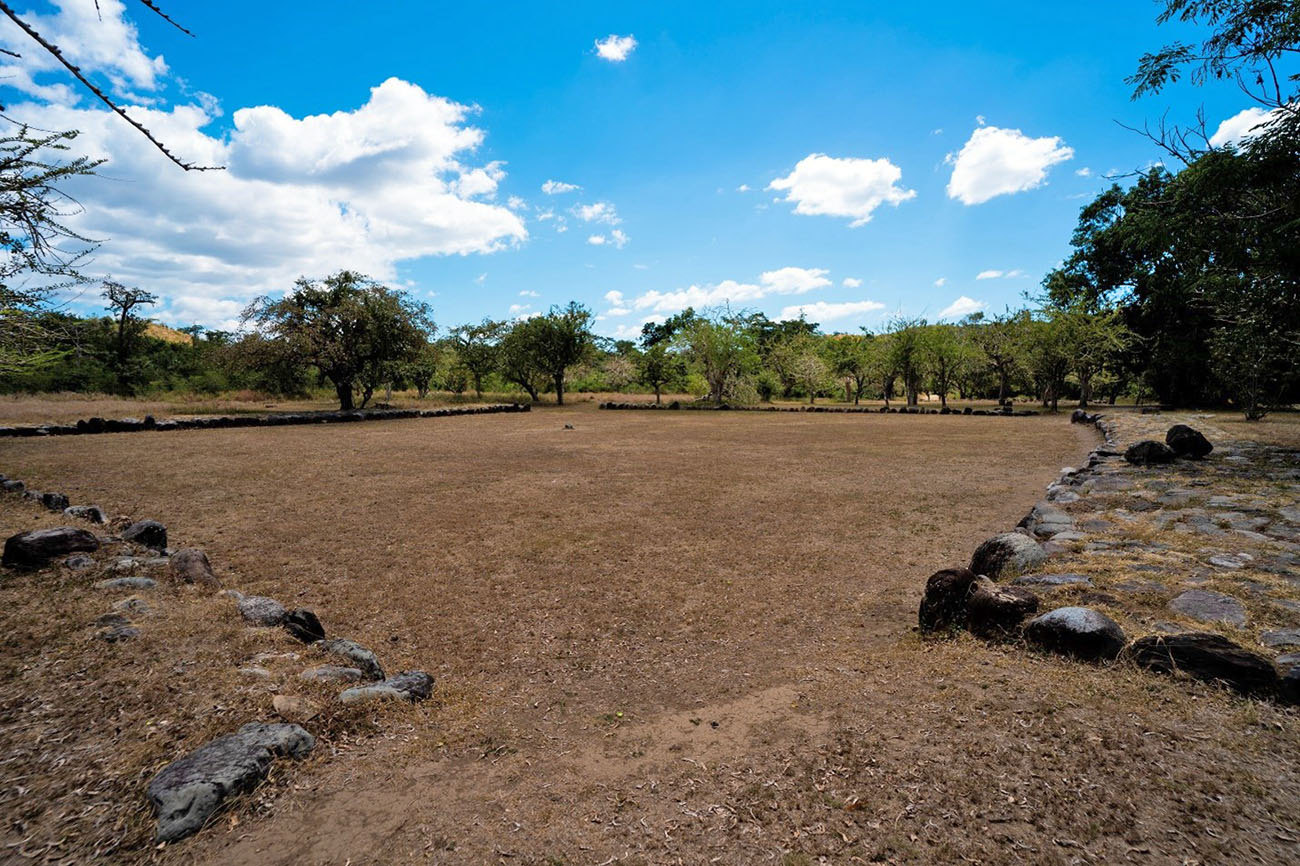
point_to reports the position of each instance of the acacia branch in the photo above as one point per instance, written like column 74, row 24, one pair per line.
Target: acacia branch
column 57, row 54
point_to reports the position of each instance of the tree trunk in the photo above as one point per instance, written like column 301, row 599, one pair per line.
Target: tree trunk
column 559, row 390
column 657, row 399
column 1085, row 391
column 344, row 391
column 478, row 385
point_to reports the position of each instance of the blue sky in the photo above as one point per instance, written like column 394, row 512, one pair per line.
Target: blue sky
column 854, row 160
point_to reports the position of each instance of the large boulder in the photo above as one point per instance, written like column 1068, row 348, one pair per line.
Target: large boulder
column 190, row 565
column 354, row 652
column 260, row 610
column 406, row 686
column 303, row 625
column 1210, row 657
column 944, row 604
column 188, row 791
column 1149, row 452
column 36, row 547
column 1187, row 442
column 148, row 533
column 997, row 612
column 1007, row 555
column 1080, row 632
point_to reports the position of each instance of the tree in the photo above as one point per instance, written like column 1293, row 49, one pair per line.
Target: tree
column 810, row 373
column 350, row 328
column 38, row 253
column 851, row 358
column 944, row 351
column 658, row 366
column 619, row 371
column 1046, row 354
column 122, row 302
column 517, row 360
column 541, row 349
column 1000, row 342
column 721, row 348
column 476, row 348
column 907, row 358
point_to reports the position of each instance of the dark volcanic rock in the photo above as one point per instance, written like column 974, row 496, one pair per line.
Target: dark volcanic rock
column 304, row 625
column 1187, row 442
column 54, row 501
column 90, row 513
column 34, row 549
column 944, row 604
column 1080, row 632
column 1053, row 580
column 149, row 533
column 188, row 791
column 1209, row 657
column 1149, row 452
column 994, row 611
column 406, row 686
column 1007, row 555
column 190, row 565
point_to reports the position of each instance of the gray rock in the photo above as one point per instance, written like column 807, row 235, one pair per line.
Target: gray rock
column 188, row 791
column 149, row 533
column 13, row 486
column 1007, row 555
column 90, row 513
column 1052, row 580
column 1080, row 632
column 304, row 625
column 943, row 606
column 1067, row 537
column 332, row 674
column 133, row 604
column 1227, row 560
column 406, row 686
column 1188, row 442
column 117, row 632
column 79, row 562
column 361, row 657
column 36, row 547
column 190, row 565
column 1208, row 606
column 260, row 610
column 127, row 583
column 1285, row 637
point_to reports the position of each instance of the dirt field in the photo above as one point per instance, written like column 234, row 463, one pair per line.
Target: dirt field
column 658, row 638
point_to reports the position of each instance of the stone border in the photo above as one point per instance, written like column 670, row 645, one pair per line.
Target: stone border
column 94, row 426
column 993, row 597
column 833, row 410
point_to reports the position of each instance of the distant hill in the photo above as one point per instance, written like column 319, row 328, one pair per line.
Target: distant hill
column 166, row 334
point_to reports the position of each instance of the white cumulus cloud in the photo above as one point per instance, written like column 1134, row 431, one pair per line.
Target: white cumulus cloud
column 939, row 283
column 1242, row 126
column 596, row 240
column 829, row 311
column 558, row 187
column 782, row 281
column 843, row 187
column 997, row 161
column 997, row 275
column 615, row 48
column 851, row 282
column 963, row 306
column 600, row 212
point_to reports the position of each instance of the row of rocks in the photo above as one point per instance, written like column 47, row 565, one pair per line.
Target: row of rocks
column 973, row 599
column 1005, row 411
column 190, row 790
column 135, row 425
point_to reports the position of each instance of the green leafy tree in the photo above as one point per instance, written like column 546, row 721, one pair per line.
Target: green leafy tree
column 350, row 328
column 850, row 358
column 721, row 348
column 123, row 302
column 945, row 351
column 659, row 366
column 1001, row 342
column 907, row 354
column 477, row 351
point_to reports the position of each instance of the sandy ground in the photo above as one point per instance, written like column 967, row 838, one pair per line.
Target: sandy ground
column 662, row 638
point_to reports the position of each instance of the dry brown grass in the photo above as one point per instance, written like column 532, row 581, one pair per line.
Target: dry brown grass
column 592, row 601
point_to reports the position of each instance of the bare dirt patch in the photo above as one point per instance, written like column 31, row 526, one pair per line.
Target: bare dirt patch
column 657, row 639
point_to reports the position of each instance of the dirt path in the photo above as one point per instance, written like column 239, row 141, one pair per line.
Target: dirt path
column 680, row 638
